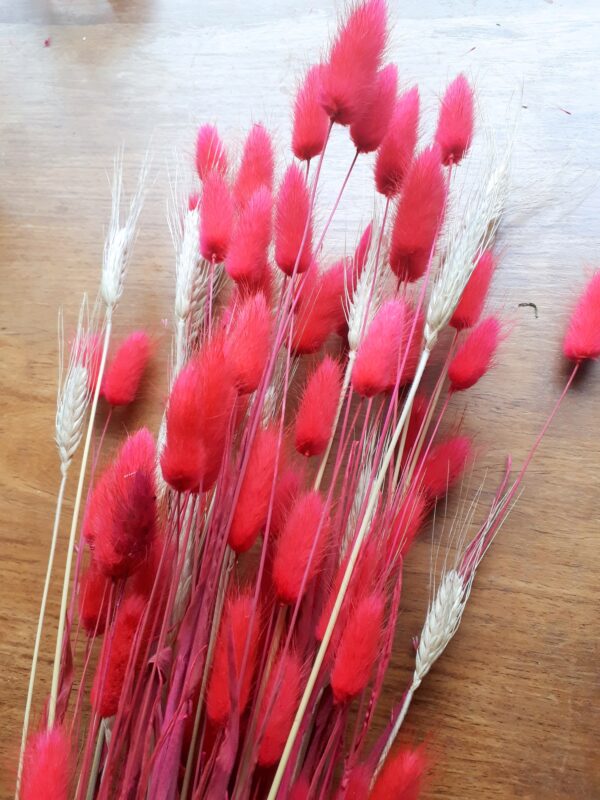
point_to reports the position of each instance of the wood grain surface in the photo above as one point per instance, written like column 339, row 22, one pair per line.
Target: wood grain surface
column 511, row 710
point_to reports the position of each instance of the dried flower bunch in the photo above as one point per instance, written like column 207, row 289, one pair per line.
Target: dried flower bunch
column 231, row 595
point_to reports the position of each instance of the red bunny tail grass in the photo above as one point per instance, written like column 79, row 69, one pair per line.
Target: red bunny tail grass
column 47, row 766
column 362, row 251
column 402, row 776
column 216, row 218
column 455, row 124
column 248, row 342
column 582, row 340
column 124, row 373
column 306, row 528
column 371, row 125
column 316, row 414
column 398, row 146
column 256, row 169
column 113, row 665
column 280, row 702
column 292, row 215
column 444, row 465
column 311, row 123
column 288, row 486
column 354, row 59
column 247, row 257
column 475, row 355
column 320, row 309
column 375, row 367
column 125, row 522
column 358, row 648
column 418, row 217
column 470, row 305
column 237, row 624
column 93, row 597
column 252, row 505
column 210, row 152
column 359, row 781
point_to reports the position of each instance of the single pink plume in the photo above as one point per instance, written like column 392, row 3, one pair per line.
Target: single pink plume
column 397, row 149
column 311, row 123
column 372, row 123
column 280, row 701
column 216, row 218
column 455, row 123
column 379, row 354
column 124, row 373
column 257, row 166
column 47, row 765
column 582, row 340
column 292, row 220
column 288, row 486
column 320, row 307
column 469, row 308
column 362, row 251
column 318, row 406
column 246, row 261
column 354, row 59
column 92, row 598
column 210, row 152
column 402, row 776
column 475, row 355
column 248, row 341
column 444, row 465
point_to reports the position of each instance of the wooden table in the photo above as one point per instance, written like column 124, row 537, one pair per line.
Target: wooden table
column 511, row 710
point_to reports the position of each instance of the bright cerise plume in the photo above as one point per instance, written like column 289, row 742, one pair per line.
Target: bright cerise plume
column 469, row 308
column 418, row 217
column 113, row 664
column 236, row 625
column 93, row 599
column 124, row 373
column 475, row 355
column 362, row 251
column 444, row 465
column 320, row 309
column 311, row 123
column 292, row 223
column 318, row 406
column 306, row 527
column 216, row 218
column 248, row 342
column 397, row 149
column 121, row 519
column 287, row 488
column 210, row 152
column 246, row 260
column 257, row 166
column 358, row 648
column 582, row 340
column 371, row 125
column 354, row 59
column 455, row 124
column 280, row 702
column 47, row 765
column 252, row 505
column 401, row 776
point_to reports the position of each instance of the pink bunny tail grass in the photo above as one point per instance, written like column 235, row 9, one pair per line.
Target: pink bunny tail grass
column 301, row 547
column 47, row 766
column 216, row 218
column 94, row 591
column 402, row 776
column 288, row 487
column 582, row 340
column 247, row 257
column 311, row 123
column 320, row 309
column 444, row 466
column 418, row 217
column 318, row 406
column 358, row 648
column 238, row 622
column 455, row 124
column 362, row 250
column 254, row 497
column 470, row 305
column 123, row 375
column 377, row 358
column 475, row 355
column 257, row 166
column 397, row 149
column 210, row 153
column 248, row 342
column 280, row 701
column 292, row 219
column 371, row 125
column 354, row 59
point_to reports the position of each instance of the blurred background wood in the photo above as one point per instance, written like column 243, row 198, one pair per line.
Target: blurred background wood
column 511, row 710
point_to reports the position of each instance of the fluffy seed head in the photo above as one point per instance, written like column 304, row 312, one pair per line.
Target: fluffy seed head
column 93, row 597
column 124, row 373
column 210, row 152
column 291, row 220
column 280, row 701
column 379, row 354
column 444, row 465
column 246, row 261
column 320, row 308
column 361, row 253
column 47, row 765
column 371, row 125
column 397, row 149
column 475, row 355
column 257, row 166
column 318, row 406
column 311, row 123
column 401, row 776
column 216, row 218
column 289, row 484
column 455, row 124
column 582, row 340
column 472, row 300
column 248, row 342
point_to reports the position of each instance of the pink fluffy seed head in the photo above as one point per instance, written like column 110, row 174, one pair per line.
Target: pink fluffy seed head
column 256, row 168
column 92, row 600
column 371, row 125
column 378, row 356
column 47, row 765
column 582, row 340
column 361, row 253
column 311, row 123
column 216, row 218
column 353, row 61
column 288, row 487
column 397, row 149
column 444, row 465
column 246, row 261
column 402, row 776
column 320, row 309
column 318, row 406
column 280, row 701
column 248, row 342
column 292, row 219
column 455, row 124
column 475, row 355
column 210, row 152
column 124, row 373
column 469, row 308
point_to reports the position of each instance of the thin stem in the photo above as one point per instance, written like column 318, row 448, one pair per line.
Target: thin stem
column 96, row 762
column 397, row 725
column 335, row 205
